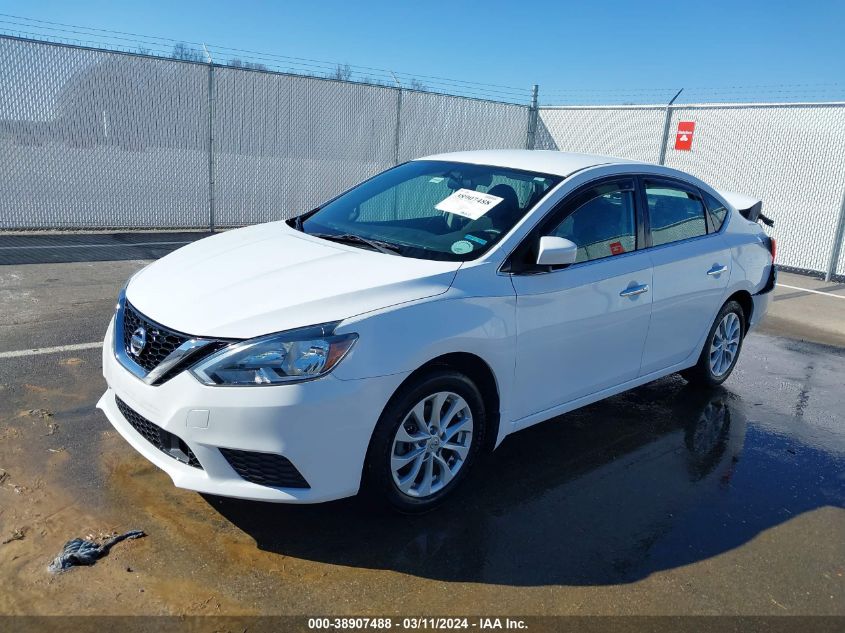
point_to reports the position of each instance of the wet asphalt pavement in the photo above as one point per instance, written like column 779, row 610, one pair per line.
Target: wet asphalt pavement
column 663, row 500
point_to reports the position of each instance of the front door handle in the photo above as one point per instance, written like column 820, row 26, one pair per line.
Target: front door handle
column 717, row 270
column 632, row 291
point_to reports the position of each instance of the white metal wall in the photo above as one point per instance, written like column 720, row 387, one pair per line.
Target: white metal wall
column 792, row 156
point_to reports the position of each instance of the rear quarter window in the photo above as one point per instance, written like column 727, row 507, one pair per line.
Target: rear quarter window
column 716, row 209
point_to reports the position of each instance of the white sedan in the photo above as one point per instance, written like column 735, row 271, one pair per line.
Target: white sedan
column 382, row 341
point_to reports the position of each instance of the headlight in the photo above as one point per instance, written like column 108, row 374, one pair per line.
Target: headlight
column 290, row 356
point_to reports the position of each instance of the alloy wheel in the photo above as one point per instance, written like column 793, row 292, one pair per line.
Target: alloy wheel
column 725, row 344
column 432, row 444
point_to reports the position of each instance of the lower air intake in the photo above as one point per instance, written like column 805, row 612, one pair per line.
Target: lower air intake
column 265, row 469
column 164, row 441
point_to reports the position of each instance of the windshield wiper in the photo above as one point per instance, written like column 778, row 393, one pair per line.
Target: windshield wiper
column 350, row 238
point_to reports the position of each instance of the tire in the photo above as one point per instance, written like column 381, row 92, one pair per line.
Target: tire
column 716, row 361
column 417, row 480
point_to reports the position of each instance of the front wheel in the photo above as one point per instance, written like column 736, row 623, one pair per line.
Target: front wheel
column 425, row 441
column 721, row 349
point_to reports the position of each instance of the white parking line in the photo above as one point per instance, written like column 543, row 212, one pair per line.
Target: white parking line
column 815, row 292
column 82, row 346
column 50, row 350
column 9, row 248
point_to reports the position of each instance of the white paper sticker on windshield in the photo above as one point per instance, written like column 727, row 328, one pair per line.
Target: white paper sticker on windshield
column 468, row 203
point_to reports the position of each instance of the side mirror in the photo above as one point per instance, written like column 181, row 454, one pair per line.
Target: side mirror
column 556, row 251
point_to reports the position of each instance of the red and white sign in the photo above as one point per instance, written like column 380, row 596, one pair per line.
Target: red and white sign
column 616, row 248
column 683, row 139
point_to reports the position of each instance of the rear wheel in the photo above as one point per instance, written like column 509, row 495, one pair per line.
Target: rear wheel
column 426, row 440
column 721, row 349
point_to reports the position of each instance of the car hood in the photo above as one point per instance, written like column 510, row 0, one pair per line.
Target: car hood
column 270, row 277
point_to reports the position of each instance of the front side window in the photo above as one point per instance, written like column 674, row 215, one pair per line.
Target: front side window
column 432, row 209
column 675, row 214
column 603, row 223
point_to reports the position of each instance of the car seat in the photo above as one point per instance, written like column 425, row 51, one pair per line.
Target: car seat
column 508, row 212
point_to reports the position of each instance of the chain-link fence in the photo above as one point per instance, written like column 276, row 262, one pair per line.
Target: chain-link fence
column 629, row 132
column 283, row 144
column 95, row 139
column 792, row 156
column 90, row 139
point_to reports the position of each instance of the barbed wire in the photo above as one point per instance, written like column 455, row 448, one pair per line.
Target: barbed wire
column 750, row 94
column 134, row 42
column 158, row 52
column 240, row 50
column 166, row 47
column 697, row 94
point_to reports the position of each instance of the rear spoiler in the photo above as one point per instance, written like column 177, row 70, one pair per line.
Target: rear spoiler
column 748, row 207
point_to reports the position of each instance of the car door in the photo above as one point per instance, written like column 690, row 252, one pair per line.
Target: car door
column 581, row 328
column 691, row 263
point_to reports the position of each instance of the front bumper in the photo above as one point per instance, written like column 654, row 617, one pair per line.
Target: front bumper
column 323, row 427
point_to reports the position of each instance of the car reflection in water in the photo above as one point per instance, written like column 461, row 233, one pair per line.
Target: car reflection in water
column 652, row 479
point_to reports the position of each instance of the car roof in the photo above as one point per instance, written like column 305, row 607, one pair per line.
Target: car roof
column 542, row 161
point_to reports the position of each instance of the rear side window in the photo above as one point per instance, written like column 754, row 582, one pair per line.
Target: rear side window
column 602, row 223
column 716, row 210
column 675, row 214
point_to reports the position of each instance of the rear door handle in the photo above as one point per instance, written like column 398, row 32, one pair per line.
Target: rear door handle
column 717, row 270
column 633, row 291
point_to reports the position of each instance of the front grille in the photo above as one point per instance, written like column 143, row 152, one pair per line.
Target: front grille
column 265, row 469
column 164, row 441
column 161, row 341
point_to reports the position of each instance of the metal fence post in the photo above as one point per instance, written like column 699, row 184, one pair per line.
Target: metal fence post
column 398, row 125
column 666, row 123
column 211, row 146
column 837, row 242
column 533, row 112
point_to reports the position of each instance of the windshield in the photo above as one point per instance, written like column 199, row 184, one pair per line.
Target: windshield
column 431, row 209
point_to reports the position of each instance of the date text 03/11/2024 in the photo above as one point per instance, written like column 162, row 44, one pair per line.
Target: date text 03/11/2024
column 416, row 623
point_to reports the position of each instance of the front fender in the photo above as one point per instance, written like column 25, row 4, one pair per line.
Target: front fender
column 404, row 338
